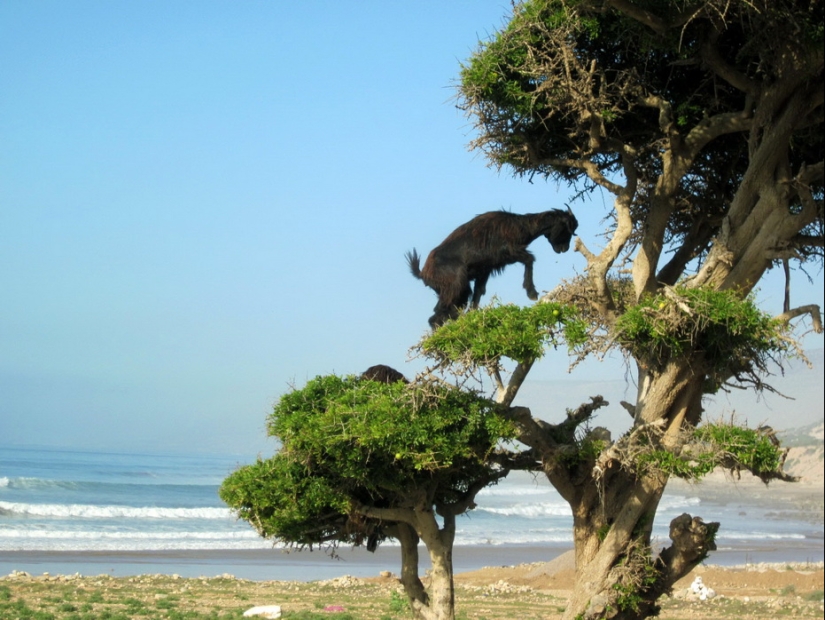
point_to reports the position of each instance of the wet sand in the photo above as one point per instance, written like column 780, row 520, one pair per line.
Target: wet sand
column 273, row 564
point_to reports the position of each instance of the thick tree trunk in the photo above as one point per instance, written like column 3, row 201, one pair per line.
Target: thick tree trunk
column 442, row 591
column 417, row 595
column 439, row 602
column 439, row 542
column 614, row 506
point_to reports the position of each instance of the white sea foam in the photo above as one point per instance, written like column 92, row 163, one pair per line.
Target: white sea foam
column 85, row 511
column 511, row 490
column 125, row 535
column 675, row 502
column 525, row 538
column 530, row 511
column 4, row 482
column 757, row 536
column 20, row 540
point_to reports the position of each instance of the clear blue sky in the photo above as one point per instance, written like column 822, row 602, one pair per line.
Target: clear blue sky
column 202, row 202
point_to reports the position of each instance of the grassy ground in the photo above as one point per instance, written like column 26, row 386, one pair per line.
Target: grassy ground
column 166, row 597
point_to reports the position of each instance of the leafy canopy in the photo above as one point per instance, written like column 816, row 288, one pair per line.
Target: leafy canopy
column 731, row 333
column 718, row 445
column 348, row 441
column 482, row 337
column 282, row 500
column 576, row 89
column 377, row 435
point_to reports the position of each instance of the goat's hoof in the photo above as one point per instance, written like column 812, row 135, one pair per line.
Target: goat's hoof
column 533, row 295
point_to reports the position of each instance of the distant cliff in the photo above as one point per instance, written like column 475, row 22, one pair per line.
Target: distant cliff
column 805, row 459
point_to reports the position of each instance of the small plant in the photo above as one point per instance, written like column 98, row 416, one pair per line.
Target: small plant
column 166, row 603
column 398, row 603
column 635, row 576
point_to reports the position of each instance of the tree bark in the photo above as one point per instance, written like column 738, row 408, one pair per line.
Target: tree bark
column 439, row 542
column 614, row 508
column 416, row 594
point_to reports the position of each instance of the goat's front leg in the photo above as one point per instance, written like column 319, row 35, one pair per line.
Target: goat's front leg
column 479, row 288
column 528, row 259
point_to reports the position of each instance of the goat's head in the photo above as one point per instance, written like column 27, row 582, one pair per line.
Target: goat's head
column 561, row 227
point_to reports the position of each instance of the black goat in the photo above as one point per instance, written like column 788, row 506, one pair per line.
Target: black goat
column 485, row 246
column 383, row 374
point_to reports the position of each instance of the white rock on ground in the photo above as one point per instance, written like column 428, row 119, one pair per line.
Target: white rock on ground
column 264, row 611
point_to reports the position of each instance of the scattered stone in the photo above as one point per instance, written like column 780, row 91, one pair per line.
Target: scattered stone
column 385, row 574
column 347, row 581
column 698, row 590
column 264, row 611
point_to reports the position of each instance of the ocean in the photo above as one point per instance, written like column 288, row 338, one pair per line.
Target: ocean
column 144, row 513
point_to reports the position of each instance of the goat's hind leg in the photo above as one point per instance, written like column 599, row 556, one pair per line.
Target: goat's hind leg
column 452, row 298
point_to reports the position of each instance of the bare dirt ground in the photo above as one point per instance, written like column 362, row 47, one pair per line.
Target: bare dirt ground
column 764, row 590
column 526, row 592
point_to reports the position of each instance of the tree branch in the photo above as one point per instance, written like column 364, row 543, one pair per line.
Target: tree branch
column 811, row 309
column 712, row 127
column 467, row 501
column 532, row 431
column 710, row 55
column 654, row 22
column 404, row 515
column 692, row 540
column 506, row 395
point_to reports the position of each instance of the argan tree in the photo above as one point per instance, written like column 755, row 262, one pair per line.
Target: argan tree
column 704, row 120
column 362, row 461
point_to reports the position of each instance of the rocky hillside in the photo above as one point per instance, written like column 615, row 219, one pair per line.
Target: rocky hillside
column 805, row 458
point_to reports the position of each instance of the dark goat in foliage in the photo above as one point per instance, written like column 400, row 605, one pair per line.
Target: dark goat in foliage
column 485, row 246
column 383, row 374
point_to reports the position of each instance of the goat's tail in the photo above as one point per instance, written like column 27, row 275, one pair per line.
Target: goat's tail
column 413, row 260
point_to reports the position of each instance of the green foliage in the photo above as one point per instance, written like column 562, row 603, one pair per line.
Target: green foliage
column 716, row 445
column 751, row 449
column 729, row 332
column 282, row 500
column 636, row 575
column 496, row 71
column 346, row 440
column 566, row 82
column 629, row 596
column 585, row 451
column 398, row 603
column 667, row 462
column 379, row 434
column 482, row 337
column 527, row 84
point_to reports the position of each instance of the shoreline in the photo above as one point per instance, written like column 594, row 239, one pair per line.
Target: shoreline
column 306, row 566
